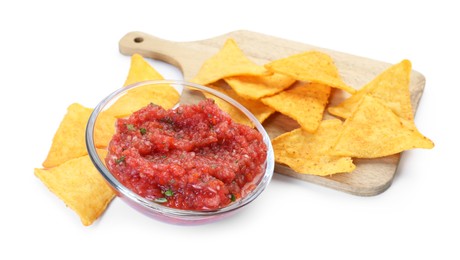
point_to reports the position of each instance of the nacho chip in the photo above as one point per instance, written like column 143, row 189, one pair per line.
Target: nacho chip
column 80, row 186
column 391, row 87
column 257, row 108
column 309, row 153
column 304, row 102
column 310, row 66
column 229, row 61
column 69, row 139
column 163, row 95
column 140, row 70
column 256, row 87
column 104, row 129
column 374, row 130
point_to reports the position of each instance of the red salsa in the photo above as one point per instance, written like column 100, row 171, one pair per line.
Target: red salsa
column 192, row 157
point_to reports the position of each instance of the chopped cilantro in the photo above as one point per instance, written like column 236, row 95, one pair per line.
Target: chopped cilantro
column 143, row 131
column 169, row 193
column 130, row 127
column 120, row 160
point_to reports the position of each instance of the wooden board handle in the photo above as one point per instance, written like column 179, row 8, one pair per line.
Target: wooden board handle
column 151, row 47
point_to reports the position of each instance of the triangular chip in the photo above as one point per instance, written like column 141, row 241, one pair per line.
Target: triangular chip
column 229, row 61
column 162, row 94
column 311, row 66
column 104, row 129
column 374, row 130
column 303, row 102
column 391, row 87
column 257, row 108
column 80, row 186
column 308, row 153
column 69, row 139
column 140, row 70
column 256, row 87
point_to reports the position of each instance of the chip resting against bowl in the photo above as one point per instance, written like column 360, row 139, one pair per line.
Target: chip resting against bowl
column 69, row 139
column 80, row 186
column 162, row 95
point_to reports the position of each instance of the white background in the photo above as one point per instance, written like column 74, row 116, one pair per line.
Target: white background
column 57, row 53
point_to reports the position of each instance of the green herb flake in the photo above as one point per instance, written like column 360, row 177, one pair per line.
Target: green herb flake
column 169, row 193
column 143, row 131
column 130, row 127
column 120, row 160
column 232, row 197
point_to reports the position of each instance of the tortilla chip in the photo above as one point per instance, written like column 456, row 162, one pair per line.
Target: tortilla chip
column 104, row 129
column 140, row 70
column 304, row 102
column 257, row 108
column 374, row 130
column 80, row 186
column 311, row 66
column 162, row 95
column 229, row 61
column 309, row 153
column 256, row 87
column 391, row 87
column 69, row 139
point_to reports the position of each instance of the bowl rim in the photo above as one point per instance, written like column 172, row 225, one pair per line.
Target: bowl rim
column 157, row 207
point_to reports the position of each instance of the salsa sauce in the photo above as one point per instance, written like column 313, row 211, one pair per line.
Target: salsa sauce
column 193, row 157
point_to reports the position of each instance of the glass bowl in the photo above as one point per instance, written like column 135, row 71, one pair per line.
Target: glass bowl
column 190, row 93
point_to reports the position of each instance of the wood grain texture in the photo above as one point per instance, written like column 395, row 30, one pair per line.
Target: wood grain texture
column 371, row 176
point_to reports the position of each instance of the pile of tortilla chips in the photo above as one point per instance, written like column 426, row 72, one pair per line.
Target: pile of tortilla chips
column 68, row 171
column 378, row 118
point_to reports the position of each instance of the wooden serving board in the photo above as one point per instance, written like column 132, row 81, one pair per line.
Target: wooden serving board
column 371, row 176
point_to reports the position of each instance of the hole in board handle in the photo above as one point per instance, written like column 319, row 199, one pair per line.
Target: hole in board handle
column 138, row 39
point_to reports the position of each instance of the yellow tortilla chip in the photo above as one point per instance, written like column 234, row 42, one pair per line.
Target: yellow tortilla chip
column 140, row 70
column 162, row 95
column 104, row 129
column 311, row 66
column 391, row 87
column 69, row 139
column 257, row 108
column 309, row 153
column 256, row 87
column 80, row 186
column 304, row 102
column 229, row 61
column 374, row 130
